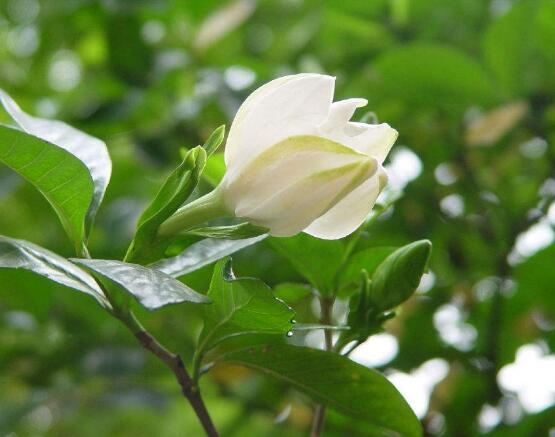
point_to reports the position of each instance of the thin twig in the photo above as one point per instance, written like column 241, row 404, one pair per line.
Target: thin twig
column 175, row 364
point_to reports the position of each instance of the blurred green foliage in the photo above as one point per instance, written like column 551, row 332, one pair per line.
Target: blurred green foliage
column 468, row 84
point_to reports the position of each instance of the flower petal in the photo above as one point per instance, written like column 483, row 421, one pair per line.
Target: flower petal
column 375, row 140
column 284, row 164
column 340, row 114
column 348, row 214
column 291, row 105
column 291, row 209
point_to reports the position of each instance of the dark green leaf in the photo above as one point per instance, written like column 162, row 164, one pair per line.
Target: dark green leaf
column 241, row 306
column 152, row 288
column 398, row 276
column 317, row 260
column 174, row 192
column 89, row 150
column 214, row 141
column 20, row 254
column 201, row 254
column 62, row 178
column 337, row 382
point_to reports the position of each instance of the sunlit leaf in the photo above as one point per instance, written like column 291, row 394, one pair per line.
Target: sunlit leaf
column 57, row 174
column 89, row 150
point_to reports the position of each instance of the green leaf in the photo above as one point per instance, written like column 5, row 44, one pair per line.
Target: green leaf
column 152, row 288
column 91, row 151
column 290, row 292
column 367, row 259
column 179, row 185
column 214, row 140
column 317, row 260
column 20, row 254
column 201, row 254
column 232, row 232
column 57, row 174
column 337, row 382
column 215, row 169
column 431, row 75
column 241, row 306
column 398, row 276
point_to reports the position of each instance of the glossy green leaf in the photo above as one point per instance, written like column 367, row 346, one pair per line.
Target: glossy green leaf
column 152, row 288
column 337, row 382
column 214, row 140
column 91, row 151
column 398, row 276
column 231, row 232
column 201, row 254
column 20, row 254
column 179, row 185
column 62, row 178
column 317, row 260
column 241, row 306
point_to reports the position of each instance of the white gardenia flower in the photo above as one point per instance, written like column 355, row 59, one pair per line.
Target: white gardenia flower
column 296, row 163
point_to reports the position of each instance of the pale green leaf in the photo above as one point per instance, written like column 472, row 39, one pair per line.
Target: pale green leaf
column 20, row 254
column 201, row 254
column 152, row 288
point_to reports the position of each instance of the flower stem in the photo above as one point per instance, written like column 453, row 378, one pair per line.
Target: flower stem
column 205, row 208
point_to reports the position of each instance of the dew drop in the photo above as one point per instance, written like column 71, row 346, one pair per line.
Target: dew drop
column 293, row 321
column 289, row 334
